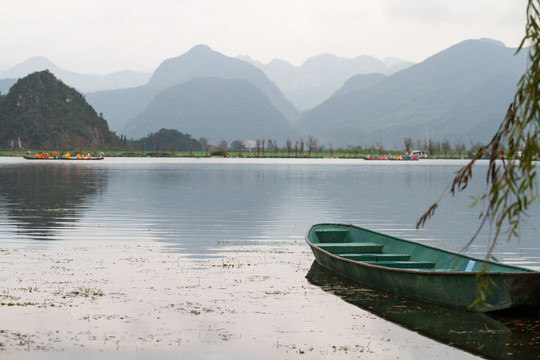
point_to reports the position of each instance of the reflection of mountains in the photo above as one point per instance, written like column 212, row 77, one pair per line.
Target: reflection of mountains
column 204, row 209
column 502, row 336
column 40, row 197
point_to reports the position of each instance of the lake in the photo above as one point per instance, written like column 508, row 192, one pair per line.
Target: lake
column 205, row 258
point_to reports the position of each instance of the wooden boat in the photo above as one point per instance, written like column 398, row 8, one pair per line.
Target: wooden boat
column 420, row 271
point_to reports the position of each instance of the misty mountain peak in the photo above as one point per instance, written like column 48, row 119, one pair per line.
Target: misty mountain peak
column 38, row 60
column 492, row 42
column 30, row 65
column 198, row 52
column 201, row 48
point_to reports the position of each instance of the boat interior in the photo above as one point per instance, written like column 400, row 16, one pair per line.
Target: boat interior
column 373, row 248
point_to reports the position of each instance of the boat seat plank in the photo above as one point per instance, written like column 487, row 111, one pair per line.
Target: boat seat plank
column 376, row 257
column 412, row 265
column 351, row 248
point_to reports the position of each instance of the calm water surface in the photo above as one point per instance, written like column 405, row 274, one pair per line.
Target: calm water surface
column 208, row 209
column 192, row 205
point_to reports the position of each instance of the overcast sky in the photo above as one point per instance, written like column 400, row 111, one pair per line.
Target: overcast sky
column 103, row 36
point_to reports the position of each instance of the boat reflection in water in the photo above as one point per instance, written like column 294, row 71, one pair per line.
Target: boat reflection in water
column 501, row 335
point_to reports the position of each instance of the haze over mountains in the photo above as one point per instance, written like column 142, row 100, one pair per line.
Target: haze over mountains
column 320, row 76
column 122, row 106
column 81, row 82
column 460, row 94
column 233, row 108
column 201, row 61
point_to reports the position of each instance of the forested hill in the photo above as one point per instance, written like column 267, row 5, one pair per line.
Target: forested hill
column 41, row 112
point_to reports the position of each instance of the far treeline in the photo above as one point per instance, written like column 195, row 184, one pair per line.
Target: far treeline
column 170, row 142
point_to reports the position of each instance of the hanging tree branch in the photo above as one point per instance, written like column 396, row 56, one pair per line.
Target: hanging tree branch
column 510, row 179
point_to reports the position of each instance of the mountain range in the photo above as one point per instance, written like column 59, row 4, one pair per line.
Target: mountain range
column 234, row 109
column 459, row 94
column 124, row 105
column 320, row 76
column 82, row 82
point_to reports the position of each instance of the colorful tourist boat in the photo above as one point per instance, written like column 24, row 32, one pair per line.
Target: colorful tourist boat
column 61, row 158
column 79, row 158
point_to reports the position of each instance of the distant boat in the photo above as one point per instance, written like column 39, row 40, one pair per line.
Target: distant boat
column 81, row 159
column 392, row 158
column 64, row 158
column 420, row 271
column 406, row 157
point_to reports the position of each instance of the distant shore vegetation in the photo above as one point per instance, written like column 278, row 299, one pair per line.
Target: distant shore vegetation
column 173, row 143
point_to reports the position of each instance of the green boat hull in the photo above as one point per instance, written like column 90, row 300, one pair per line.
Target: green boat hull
column 419, row 271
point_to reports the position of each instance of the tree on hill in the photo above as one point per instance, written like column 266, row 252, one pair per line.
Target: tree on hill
column 167, row 139
column 41, row 110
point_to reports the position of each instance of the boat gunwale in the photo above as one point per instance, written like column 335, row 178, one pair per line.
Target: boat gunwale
column 416, row 271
